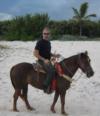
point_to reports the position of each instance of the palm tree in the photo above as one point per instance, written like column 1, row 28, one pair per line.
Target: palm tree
column 81, row 15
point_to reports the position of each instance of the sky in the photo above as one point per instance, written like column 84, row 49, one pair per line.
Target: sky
column 56, row 9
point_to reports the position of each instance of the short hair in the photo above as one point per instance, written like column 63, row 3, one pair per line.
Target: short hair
column 46, row 28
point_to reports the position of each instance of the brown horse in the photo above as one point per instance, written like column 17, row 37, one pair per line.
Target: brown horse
column 23, row 74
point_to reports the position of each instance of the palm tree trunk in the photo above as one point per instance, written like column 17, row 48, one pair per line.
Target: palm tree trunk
column 80, row 30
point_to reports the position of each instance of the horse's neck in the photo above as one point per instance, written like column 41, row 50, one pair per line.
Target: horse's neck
column 70, row 65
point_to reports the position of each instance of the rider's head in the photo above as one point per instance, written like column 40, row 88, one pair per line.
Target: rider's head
column 46, row 33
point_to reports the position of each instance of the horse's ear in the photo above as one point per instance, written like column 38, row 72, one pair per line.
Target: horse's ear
column 86, row 52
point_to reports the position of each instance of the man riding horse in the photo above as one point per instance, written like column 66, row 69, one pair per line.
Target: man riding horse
column 43, row 53
column 24, row 73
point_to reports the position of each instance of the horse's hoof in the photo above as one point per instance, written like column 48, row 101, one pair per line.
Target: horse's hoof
column 64, row 113
column 31, row 108
column 53, row 110
column 15, row 110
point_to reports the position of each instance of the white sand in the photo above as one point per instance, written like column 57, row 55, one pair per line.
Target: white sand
column 82, row 99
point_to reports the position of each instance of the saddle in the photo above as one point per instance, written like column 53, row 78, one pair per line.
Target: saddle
column 38, row 67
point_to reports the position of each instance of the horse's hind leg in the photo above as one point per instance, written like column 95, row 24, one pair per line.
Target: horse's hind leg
column 24, row 97
column 54, row 102
column 16, row 95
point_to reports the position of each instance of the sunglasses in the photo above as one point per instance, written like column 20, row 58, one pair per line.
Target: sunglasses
column 46, row 33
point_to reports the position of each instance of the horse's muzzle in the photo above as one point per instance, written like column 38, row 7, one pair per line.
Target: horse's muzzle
column 90, row 74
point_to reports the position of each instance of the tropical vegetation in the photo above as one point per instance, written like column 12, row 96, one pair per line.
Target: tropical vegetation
column 29, row 27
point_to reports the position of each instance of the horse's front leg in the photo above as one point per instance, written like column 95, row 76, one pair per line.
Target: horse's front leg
column 62, row 97
column 54, row 102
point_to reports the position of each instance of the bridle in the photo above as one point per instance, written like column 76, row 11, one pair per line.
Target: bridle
column 69, row 71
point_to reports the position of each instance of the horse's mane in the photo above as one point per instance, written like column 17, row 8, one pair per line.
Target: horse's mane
column 70, row 57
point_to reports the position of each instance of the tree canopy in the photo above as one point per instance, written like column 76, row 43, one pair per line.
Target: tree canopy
column 29, row 27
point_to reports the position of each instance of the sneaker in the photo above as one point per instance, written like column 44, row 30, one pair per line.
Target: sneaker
column 46, row 90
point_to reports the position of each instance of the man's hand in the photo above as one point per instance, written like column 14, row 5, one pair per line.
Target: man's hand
column 57, row 55
column 46, row 61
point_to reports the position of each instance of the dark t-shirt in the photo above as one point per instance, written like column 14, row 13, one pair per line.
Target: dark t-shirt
column 44, row 47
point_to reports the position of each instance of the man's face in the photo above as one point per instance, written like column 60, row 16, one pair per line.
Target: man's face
column 46, row 34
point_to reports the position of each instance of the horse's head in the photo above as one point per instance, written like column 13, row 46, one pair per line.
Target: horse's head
column 84, row 64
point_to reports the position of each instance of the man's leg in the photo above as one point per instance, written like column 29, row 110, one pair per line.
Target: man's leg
column 50, row 70
column 50, row 75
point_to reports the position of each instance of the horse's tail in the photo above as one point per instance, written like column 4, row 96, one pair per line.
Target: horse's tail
column 11, row 77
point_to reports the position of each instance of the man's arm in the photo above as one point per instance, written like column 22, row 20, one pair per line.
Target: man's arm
column 37, row 55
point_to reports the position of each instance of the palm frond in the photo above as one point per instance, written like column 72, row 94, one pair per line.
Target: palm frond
column 83, row 9
column 91, row 15
column 76, row 12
